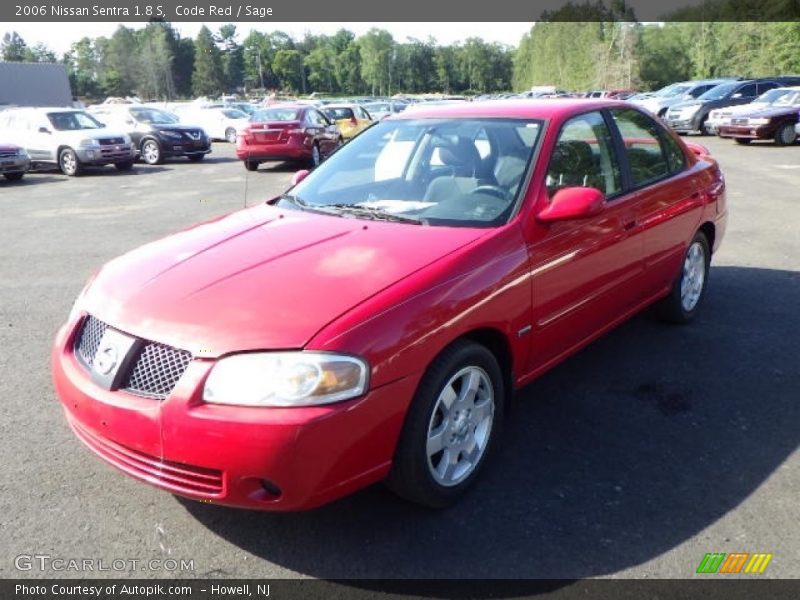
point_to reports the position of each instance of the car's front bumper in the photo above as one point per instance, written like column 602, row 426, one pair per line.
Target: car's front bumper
column 749, row 132
column 15, row 165
column 184, row 147
column 233, row 455
column 106, row 155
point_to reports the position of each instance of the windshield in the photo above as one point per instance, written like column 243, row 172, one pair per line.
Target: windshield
column 232, row 113
column 66, row 121
column 445, row 172
column 789, row 98
column 671, row 90
column 153, row 116
column 718, row 92
column 276, row 114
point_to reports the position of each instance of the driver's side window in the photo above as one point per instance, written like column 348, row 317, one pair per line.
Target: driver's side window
column 584, row 157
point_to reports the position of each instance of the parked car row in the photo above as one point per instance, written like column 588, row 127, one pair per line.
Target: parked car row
column 742, row 109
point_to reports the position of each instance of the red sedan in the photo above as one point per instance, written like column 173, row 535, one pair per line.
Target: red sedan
column 372, row 322
column 290, row 133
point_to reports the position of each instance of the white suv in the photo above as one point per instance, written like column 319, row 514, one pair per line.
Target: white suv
column 69, row 138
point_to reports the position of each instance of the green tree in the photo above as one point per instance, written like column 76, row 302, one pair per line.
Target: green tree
column 207, row 79
column 377, row 47
column 13, row 47
column 288, row 67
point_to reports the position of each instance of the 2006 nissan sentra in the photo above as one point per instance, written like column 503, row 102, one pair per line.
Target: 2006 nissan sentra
column 372, row 323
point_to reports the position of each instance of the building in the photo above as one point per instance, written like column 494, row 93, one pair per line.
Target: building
column 34, row 84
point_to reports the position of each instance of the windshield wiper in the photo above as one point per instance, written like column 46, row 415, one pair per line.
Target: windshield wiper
column 375, row 213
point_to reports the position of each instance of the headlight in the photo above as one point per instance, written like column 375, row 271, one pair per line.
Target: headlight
column 690, row 110
column 22, row 153
column 758, row 121
column 172, row 134
column 76, row 306
column 285, row 379
column 87, row 142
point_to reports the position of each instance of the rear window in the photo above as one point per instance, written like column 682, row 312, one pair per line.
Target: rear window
column 276, row 114
column 338, row 113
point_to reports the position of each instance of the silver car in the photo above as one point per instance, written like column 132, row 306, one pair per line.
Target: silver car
column 68, row 138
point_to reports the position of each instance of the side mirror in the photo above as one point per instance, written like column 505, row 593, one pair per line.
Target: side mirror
column 299, row 176
column 44, row 130
column 573, row 203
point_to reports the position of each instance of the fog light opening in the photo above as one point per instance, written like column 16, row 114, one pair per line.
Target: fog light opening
column 272, row 489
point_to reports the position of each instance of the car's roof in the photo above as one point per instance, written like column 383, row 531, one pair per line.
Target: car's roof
column 341, row 105
column 520, row 108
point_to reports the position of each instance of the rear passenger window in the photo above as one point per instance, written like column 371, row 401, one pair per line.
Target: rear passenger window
column 584, row 157
column 642, row 138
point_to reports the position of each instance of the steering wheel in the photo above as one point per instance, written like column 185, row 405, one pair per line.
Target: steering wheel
column 491, row 190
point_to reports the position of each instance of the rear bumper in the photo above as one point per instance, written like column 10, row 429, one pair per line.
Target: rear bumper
column 292, row 149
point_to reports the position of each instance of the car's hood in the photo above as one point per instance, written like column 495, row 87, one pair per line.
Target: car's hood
column 73, row 137
column 260, row 278
column 173, row 127
column 8, row 148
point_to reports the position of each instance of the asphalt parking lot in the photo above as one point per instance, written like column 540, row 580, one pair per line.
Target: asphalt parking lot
column 636, row 457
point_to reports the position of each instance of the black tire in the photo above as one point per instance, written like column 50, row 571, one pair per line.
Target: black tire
column 68, row 163
column 316, row 156
column 124, row 166
column 251, row 165
column 742, row 141
column 196, row 157
column 675, row 308
column 230, row 135
column 151, row 152
column 14, row 176
column 412, row 474
column 786, row 135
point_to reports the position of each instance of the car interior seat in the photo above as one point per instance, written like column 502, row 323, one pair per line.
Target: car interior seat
column 463, row 162
column 573, row 164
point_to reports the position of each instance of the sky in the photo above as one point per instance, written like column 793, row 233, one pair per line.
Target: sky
column 53, row 34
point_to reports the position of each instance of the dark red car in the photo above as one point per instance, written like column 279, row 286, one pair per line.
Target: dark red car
column 372, row 322
column 775, row 122
column 287, row 133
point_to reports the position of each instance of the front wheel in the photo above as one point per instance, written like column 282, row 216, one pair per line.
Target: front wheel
column 69, row 164
column 684, row 299
column 786, row 135
column 151, row 153
column 451, row 427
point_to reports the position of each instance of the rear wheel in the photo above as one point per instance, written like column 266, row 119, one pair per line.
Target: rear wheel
column 689, row 288
column 14, row 176
column 451, row 426
column 151, row 152
column 786, row 135
column 69, row 164
column 251, row 165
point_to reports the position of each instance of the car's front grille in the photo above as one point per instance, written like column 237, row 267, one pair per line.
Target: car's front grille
column 195, row 135
column 8, row 154
column 739, row 121
column 89, row 340
column 156, row 368
column 157, row 371
column 111, row 141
